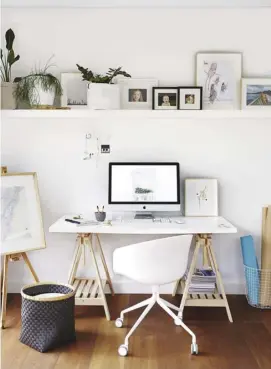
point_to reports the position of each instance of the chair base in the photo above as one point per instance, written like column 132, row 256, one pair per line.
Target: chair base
column 149, row 303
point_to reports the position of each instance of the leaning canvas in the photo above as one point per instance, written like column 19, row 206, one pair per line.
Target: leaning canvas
column 21, row 220
column 201, row 197
column 220, row 76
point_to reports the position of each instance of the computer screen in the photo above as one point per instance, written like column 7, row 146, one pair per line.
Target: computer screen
column 144, row 183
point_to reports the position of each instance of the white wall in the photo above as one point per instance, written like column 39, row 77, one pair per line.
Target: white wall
column 147, row 43
column 135, row 3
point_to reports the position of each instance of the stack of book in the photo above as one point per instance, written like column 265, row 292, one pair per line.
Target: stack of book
column 203, row 281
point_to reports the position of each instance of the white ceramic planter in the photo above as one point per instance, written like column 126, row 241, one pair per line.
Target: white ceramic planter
column 7, row 99
column 103, row 96
column 41, row 97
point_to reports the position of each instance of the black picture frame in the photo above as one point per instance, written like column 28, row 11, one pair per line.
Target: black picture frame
column 110, row 202
column 194, row 88
column 165, row 88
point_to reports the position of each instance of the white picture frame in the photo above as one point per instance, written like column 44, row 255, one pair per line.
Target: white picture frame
column 21, row 219
column 136, row 93
column 75, row 90
column 256, row 93
column 219, row 74
column 201, row 197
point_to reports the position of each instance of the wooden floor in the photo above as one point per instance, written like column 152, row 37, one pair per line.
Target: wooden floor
column 156, row 344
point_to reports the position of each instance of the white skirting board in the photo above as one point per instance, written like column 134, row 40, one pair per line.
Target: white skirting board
column 131, row 287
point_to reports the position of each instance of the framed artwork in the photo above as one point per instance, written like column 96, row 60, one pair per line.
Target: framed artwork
column 74, row 91
column 136, row 93
column 165, row 98
column 220, row 75
column 201, row 197
column 21, row 220
column 256, row 93
column 190, row 98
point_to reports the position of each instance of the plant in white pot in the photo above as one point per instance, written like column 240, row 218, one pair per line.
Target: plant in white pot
column 38, row 89
column 102, row 92
column 7, row 86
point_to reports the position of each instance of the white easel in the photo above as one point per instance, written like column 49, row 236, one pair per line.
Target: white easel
column 16, row 256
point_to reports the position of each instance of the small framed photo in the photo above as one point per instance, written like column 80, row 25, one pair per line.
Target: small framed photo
column 190, row 98
column 136, row 93
column 201, row 197
column 74, row 91
column 256, row 93
column 165, row 98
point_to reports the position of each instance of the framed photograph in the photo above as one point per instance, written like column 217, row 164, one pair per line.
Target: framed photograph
column 201, row 197
column 190, row 98
column 21, row 220
column 165, row 98
column 220, row 75
column 136, row 93
column 256, row 93
column 74, row 91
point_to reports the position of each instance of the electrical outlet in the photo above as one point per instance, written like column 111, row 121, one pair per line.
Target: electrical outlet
column 105, row 149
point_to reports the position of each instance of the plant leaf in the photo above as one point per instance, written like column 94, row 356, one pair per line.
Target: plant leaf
column 17, row 79
column 9, row 39
column 14, row 59
column 10, row 57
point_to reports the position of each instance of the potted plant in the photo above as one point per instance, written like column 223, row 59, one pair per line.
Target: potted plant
column 7, row 86
column 39, row 88
column 102, row 92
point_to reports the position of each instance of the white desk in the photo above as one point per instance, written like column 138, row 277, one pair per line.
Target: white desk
column 91, row 292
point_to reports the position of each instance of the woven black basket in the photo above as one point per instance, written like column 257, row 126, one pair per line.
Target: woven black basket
column 47, row 322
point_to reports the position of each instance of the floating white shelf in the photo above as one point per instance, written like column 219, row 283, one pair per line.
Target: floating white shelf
column 265, row 113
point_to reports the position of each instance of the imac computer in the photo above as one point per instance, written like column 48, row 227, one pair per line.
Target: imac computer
column 144, row 187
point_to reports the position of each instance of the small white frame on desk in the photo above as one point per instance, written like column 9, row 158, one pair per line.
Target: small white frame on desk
column 201, row 227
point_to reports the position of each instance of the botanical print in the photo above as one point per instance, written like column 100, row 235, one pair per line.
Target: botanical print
column 219, row 74
column 258, row 95
column 218, row 82
column 202, row 195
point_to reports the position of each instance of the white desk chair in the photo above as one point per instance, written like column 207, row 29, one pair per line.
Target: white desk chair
column 154, row 263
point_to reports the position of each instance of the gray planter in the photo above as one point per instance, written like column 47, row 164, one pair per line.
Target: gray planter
column 100, row 216
column 7, row 99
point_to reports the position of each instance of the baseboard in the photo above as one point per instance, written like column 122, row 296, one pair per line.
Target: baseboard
column 126, row 286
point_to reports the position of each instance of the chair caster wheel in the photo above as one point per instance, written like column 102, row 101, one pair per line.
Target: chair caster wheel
column 194, row 349
column 123, row 350
column 178, row 321
column 119, row 323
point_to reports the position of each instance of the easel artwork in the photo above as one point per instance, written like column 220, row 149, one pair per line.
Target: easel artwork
column 19, row 234
column 90, row 291
column 218, row 299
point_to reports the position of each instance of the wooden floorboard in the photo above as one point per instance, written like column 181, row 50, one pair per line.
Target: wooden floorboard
column 156, row 344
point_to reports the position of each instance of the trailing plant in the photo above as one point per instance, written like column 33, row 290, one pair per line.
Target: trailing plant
column 89, row 76
column 9, row 59
column 26, row 87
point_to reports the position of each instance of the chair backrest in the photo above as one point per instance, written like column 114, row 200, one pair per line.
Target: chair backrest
column 154, row 262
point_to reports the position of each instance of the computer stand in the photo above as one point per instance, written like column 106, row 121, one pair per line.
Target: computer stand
column 143, row 215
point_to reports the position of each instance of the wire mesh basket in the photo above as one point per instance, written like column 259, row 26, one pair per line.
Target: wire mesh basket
column 258, row 287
